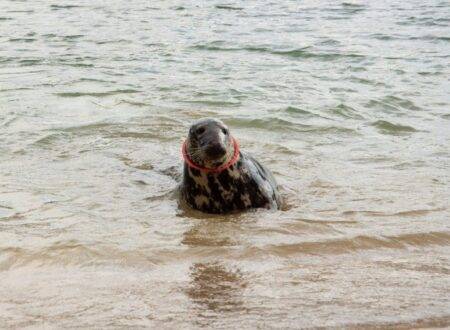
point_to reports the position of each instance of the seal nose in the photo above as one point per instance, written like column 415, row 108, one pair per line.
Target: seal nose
column 215, row 150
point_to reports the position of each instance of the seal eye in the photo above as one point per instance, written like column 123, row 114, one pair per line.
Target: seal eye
column 200, row 131
column 225, row 131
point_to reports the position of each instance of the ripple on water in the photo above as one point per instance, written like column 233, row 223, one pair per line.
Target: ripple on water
column 386, row 127
column 297, row 53
column 348, row 245
column 214, row 103
column 26, row 11
column 228, row 7
column 72, row 37
column 345, row 111
column 97, row 94
column 22, row 39
column 275, row 124
column 59, row 7
column 401, row 102
column 300, row 112
column 393, row 105
column 202, row 247
column 30, row 62
column 269, row 123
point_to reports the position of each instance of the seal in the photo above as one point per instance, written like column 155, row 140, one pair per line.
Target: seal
column 218, row 177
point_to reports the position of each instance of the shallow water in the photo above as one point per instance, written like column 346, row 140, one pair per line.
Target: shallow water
column 346, row 102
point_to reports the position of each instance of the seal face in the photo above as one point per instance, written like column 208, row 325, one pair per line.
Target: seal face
column 218, row 177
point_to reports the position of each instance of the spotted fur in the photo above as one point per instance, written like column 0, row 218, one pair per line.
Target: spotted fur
column 244, row 185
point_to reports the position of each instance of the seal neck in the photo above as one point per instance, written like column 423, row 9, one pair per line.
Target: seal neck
column 218, row 169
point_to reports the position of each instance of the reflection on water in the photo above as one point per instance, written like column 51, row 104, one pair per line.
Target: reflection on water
column 346, row 102
column 215, row 288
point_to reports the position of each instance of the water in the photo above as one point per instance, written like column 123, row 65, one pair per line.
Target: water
column 346, row 102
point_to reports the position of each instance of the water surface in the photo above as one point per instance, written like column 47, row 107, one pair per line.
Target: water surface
column 347, row 102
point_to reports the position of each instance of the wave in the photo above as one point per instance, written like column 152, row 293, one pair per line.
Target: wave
column 282, row 125
column 346, row 245
column 97, row 94
column 30, row 62
column 22, row 40
column 300, row 112
column 408, row 213
column 292, row 53
column 345, row 111
column 76, row 253
column 57, row 7
column 214, row 103
column 227, row 7
column 386, row 127
column 422, row 323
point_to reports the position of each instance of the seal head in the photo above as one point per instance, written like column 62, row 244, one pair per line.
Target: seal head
column 209, row 143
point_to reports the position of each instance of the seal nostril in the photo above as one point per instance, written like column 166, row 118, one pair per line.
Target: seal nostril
column 215, row 150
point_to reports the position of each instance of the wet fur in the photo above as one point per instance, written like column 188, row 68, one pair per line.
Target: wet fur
column 244, row 185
